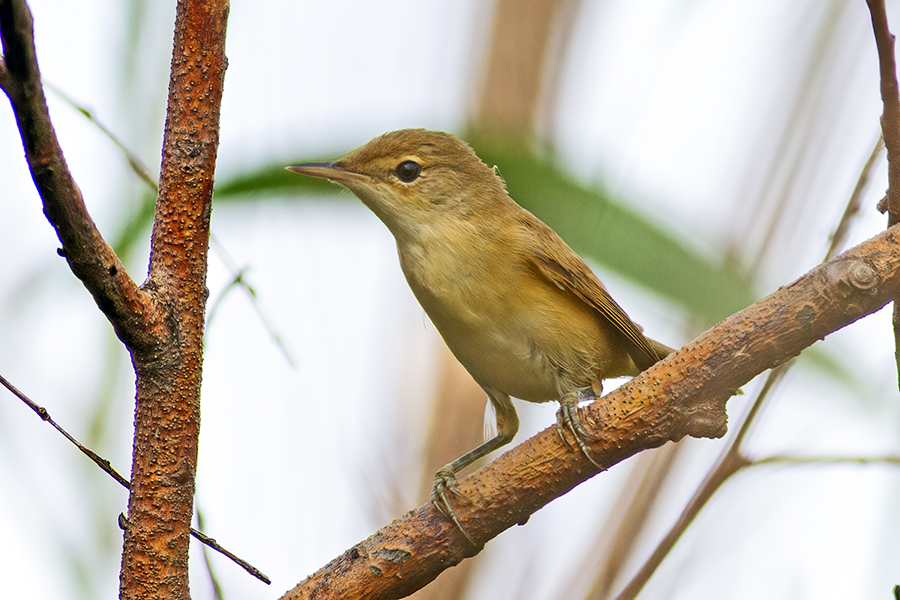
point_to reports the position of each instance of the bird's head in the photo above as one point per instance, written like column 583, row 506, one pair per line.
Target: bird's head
column 412, row 177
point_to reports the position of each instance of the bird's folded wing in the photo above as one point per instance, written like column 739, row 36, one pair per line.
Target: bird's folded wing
column 565, row 269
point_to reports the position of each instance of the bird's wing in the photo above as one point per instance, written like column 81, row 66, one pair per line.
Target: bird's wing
column 565, row 269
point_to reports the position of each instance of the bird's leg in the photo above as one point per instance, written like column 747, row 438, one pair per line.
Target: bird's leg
column 567, row 419
column 445, row 478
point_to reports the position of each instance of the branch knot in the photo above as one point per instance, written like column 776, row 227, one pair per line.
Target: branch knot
column 861, row 275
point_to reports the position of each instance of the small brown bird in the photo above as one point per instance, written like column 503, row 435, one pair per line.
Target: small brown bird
column 519, row 308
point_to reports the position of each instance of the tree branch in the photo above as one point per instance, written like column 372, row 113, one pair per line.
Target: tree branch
column 167, row 416
column 4, row 76
column 91, row 259
column 890, row 127
column 890, row 97
column 161, row 323
column 732, row 460
column 683, row 395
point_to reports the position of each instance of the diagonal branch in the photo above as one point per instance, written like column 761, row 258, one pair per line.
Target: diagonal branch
column 107, row 467
column 729, row 463
column 91, row 259
column 733, row 460
column 683, row 395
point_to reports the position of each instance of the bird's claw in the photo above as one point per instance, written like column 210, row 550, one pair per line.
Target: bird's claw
column 567, row 419
column 444, row 485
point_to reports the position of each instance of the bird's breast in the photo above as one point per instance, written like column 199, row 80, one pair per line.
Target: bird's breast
column 513, row 331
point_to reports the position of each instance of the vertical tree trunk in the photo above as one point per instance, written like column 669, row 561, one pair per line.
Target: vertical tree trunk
column 167, row 416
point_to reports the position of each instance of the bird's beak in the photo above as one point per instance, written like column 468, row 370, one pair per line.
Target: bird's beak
column 334, row 171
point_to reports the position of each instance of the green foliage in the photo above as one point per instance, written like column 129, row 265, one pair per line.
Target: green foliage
column 614, row 235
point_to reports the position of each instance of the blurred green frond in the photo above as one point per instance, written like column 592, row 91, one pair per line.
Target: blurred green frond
column 270, row 180
column 607, row 231
column 263, row 183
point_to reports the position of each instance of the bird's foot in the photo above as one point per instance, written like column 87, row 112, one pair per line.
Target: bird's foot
column 567, row 419
column 444, row 486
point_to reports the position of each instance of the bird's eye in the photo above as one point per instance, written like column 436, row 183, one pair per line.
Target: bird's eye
column 408, row 171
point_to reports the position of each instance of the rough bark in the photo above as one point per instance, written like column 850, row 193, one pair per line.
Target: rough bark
column 161, row 322
column 167, row 415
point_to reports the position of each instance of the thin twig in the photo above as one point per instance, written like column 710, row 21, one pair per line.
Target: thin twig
column 733, row 460
column 133, row 161
column 211, row 543
column 104, row 464
column 854, row 204
column 730, row 462
column 890, row 96
column 827, row 460
column 45, row 416
column 890, row 126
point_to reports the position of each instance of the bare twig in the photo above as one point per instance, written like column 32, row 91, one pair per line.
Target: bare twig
column 732, row 459
column 683, row 395
column 855, row 202
column 45, row 416
column 730, row 462
column 890, row 126
column 209, row 542
column 127, row 307
column 133, row 161
column 212, row 543
column 890, row 96
column 107, row 467
column 826, row 460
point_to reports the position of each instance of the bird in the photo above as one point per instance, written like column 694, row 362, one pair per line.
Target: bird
column 520, row 310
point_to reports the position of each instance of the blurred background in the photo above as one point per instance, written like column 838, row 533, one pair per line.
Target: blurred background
column 698, row 153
